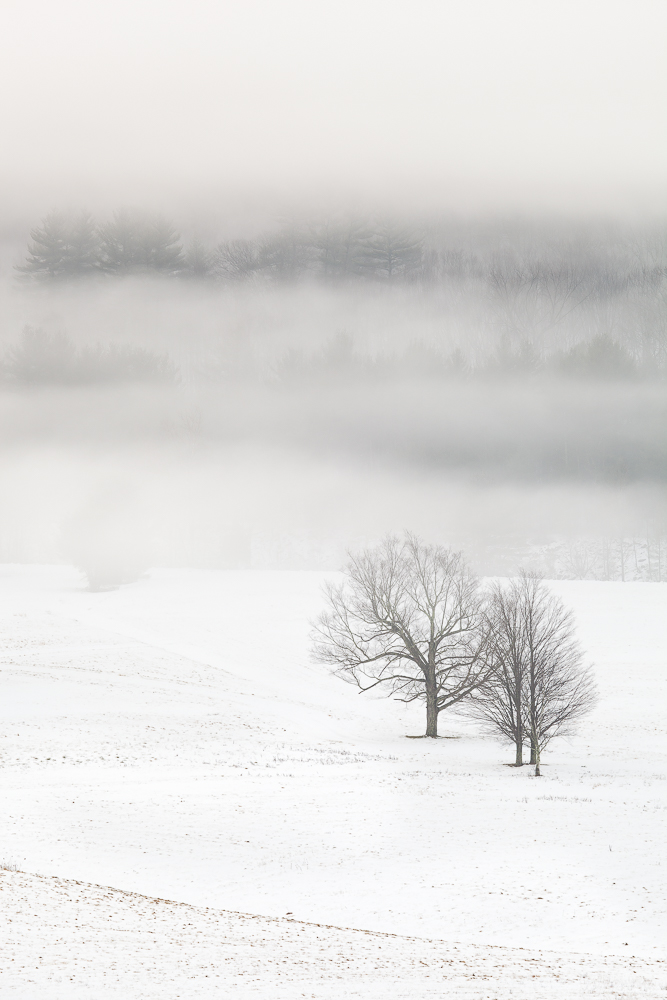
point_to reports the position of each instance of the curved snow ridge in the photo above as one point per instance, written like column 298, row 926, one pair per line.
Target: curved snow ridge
column 146, row 637
column 71, row 938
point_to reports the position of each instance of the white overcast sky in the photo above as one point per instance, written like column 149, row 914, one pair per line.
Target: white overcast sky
column 466, row 102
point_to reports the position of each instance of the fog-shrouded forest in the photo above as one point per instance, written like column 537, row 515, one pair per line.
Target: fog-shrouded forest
column 276, row 397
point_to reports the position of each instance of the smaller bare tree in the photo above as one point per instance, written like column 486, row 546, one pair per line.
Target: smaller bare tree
column 538, row 687
column 499, row 705
column 408, row 617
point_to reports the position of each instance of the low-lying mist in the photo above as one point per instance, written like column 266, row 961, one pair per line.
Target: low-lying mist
column 487, row 431
column 507, row 394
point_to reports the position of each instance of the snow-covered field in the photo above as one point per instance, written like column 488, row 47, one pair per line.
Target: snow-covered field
column 196, row 810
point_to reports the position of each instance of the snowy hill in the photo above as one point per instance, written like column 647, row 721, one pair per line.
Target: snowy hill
column 171, row 739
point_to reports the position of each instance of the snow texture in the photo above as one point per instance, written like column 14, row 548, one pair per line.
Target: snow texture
column 271, row 833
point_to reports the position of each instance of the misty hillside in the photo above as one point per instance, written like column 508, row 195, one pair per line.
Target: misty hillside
column 292, row 279
column 482, row 375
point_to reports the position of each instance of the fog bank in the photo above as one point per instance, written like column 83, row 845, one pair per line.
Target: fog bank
column 479, row 106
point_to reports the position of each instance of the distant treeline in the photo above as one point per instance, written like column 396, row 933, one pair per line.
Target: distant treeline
column 43, row 359
column 495, row 429
column 638, row 558
column 584, row 299
column 565, row 265
column 133, row 242
column 601, row 358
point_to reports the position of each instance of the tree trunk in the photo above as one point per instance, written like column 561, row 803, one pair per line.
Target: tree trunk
column 431, row 705
column 538, row 773
column 431, row 715
column 533, row 751
column 519, row 754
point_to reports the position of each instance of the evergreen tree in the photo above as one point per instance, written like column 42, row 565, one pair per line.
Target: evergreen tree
column 119, row 250
column 62, row 247
column 340, row 245
column 134, row 242
column 160, row 246
column 392, row 252
column 48, row 252
column 84, row 245
column 288, row 253
column 198, row 261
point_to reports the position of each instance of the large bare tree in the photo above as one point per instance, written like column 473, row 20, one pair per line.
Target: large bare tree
column 408, row 617
column 539, row 687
